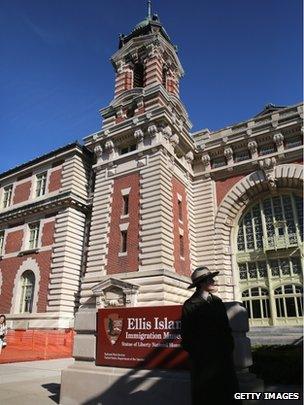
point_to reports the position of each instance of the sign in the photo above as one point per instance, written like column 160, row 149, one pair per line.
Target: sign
column 141, row 337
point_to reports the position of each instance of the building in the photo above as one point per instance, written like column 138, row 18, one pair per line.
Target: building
column 123, row 219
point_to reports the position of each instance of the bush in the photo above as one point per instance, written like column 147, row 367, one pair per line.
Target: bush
column 278, row 364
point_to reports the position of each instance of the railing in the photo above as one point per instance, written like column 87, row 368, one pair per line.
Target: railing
column 280, row 242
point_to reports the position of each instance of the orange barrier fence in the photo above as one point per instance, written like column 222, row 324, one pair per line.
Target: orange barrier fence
column 27, row 345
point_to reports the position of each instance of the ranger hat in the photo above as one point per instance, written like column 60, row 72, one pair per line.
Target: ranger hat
column 200, row 274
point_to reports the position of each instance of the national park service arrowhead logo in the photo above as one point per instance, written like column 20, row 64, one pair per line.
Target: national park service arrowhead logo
column 113, row 327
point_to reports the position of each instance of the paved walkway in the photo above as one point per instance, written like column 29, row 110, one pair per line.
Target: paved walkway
column 38, row 383
column 31, row 382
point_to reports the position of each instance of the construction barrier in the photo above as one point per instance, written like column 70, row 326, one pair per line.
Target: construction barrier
column 28, row 345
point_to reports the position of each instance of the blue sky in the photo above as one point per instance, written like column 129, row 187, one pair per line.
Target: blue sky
column 55, row 74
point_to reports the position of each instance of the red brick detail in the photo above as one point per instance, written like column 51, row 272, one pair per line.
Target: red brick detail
column 223, row 186
column 141, row 110
column 14, row 241
column 9, row 268
column 48, row 234
column 22, row 192
column 119, row 119
column 55, row 180
column 181, row 264
column 129, row 262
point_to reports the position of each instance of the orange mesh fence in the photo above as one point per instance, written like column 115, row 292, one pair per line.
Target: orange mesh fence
column 27, row 345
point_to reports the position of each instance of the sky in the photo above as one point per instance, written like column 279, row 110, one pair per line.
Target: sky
column 55, row 70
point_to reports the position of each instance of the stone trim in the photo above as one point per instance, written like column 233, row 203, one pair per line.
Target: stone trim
column 28, row 264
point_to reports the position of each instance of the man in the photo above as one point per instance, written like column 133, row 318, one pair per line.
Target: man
column 206, row 336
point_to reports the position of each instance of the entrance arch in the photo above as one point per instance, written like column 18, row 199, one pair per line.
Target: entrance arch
column 266, row 181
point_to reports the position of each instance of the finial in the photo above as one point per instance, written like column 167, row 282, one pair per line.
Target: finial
column 149, row 9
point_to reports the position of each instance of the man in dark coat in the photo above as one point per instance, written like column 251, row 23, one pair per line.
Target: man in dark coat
column 206, row 336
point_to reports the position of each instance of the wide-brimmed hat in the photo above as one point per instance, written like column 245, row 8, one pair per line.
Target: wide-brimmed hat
column 200, row 274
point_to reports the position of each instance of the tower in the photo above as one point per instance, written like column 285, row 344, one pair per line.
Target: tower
column 140, row 229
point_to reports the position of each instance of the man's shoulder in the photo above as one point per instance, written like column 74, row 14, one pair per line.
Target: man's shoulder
column 216, row 298
column 193, row 299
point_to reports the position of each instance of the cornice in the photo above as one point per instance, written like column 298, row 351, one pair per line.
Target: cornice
column 62, row 200
column 256, row 126
column 288, row 156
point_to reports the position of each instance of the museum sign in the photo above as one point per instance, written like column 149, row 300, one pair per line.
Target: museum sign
column 140, row 337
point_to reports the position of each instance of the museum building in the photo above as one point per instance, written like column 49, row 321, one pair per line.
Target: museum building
column 124, row 218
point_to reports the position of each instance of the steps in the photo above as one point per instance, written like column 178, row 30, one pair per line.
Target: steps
column 276, row 335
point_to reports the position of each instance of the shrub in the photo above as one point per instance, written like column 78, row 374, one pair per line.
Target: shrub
column 278, row 364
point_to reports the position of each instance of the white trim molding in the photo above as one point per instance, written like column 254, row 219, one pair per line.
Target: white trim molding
column 32, row 265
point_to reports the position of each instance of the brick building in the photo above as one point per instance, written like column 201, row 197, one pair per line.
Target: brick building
column 124, row 218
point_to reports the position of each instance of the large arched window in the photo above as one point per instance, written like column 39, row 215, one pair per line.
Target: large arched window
column 289, row 300
column 256, row 301
column 269, row 248
column 273, row 223
column 138, row 75
column 27, row 292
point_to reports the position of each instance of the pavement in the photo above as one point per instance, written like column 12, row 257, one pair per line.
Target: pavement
column 38, row 383
column 32, row 382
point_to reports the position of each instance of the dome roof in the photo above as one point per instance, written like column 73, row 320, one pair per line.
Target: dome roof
column 145, row 27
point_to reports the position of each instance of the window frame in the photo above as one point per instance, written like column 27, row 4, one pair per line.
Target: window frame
column 36, row 238
column 43, row 182
column 23, row 292
column 5, row 203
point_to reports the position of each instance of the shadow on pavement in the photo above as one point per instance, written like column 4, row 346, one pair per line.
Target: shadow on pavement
column 54, row 390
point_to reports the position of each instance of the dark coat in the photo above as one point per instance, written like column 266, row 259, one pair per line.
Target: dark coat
column 206, row 336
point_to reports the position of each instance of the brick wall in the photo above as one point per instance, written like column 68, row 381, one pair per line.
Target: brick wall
column 55, row 180
column 22, row 192
column 129, row 262
column 13, row 241
column 181, row 263
column 223, row 186
column 9, row 268
column 48, row 234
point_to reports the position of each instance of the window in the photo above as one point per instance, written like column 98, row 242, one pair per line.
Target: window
column 7, row 196
column 256, row 301
column 289, row 301
column 181, row 246
column 252, row 270
column 266, row 149
column 27, row 292
column 40, row 184
column 271, row 224
column 218, row 162
column 241, row 155
column 33, row 235
column 180, row 209
column 138, row 75
column 164, row 77
column 127, row 149
column 1, row 242
column 123, row 241
column 293, row 142
column 269, row 241
column 125, row 204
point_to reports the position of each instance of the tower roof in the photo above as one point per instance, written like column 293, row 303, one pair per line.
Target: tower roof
column 149, row 25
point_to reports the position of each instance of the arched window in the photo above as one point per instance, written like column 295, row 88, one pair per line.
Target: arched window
column 27, row 292
column 289, row 300
column 269, row 240
column 138, row 75
column 273, row 223
column 256, row 301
